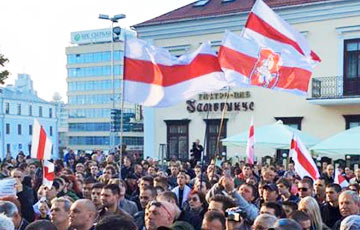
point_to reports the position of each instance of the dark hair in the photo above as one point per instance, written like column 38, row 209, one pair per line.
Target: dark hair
column 279, row 212
column 285, row 182
column 41, row 225
column 299, row 216
column 292, row 204
column 115, row 190
column 307, row 180
column 116, row 222
column 226, row 201
column 215, row 215
column 255, row 191
column 336, row 187
column 112, row 169
column 149, row 179
column 97, row 186
column 152, row 190
column 90, row 180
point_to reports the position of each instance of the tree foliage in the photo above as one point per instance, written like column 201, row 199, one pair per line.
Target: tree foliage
column 3, row 73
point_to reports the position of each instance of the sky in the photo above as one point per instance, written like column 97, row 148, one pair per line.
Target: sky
column 34, row 34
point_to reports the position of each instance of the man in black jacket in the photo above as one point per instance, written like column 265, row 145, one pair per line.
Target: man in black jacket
column 25, row 195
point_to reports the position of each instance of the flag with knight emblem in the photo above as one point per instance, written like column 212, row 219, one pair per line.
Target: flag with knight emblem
column 246, row 63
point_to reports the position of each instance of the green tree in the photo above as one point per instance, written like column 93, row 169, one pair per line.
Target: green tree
column 3, row 73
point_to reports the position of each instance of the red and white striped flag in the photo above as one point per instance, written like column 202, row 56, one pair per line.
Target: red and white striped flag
column 269, row 30
column 41, row 143
column 304, row 164
column 153, row 77
column 48, row 173
column 245, row 63
column 340, row 179
column 250, row 143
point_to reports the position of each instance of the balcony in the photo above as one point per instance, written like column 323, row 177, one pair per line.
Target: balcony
column 330, row 91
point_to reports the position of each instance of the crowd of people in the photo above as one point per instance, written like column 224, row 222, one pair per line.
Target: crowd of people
column 91, row 191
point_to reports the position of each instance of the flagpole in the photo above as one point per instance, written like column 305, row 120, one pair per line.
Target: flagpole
column 122, row 109
column 221, row 123
column 205, row 148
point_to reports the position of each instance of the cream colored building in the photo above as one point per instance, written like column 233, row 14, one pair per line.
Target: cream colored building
column 333, row 30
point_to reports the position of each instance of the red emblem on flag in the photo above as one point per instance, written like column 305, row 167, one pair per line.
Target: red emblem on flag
column 266, row 69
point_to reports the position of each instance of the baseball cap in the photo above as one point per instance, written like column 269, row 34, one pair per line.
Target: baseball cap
column 178, row 225
column 350, row 223
column 285, row 224
column 271, row 187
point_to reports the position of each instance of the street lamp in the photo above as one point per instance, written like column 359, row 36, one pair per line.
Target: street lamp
column 113, row 20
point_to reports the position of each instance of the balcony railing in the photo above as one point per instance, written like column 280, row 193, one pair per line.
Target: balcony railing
column 328, row 87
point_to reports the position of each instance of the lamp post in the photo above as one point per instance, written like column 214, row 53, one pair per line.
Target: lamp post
column 113, row 20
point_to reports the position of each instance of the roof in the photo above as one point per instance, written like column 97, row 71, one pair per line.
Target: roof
column 22, row 96
column 217, row 7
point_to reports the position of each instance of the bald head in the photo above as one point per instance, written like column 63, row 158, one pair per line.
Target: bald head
column 82, row 214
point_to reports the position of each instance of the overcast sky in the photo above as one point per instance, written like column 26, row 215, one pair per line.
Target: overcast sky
column 34, row 33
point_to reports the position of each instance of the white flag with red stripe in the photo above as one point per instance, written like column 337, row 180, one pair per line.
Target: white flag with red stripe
column 250, row 143
column 340, row 179
column 304, row 164
column 245, row 63
column 41, row 144
column 153, row 77
column 269, row 30
column 48, row 173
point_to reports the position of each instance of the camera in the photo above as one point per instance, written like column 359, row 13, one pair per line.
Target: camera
column 235, row 214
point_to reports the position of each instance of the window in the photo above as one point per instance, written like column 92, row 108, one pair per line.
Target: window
column 30, row 110
column 7, row 107
column 40, row 111
column 201, row 2
column 352, row 67
column 30, row 130
column 213, row 143
column 20, row 146
column 7, row 128
column 293, row 122
column 178, row 138
column 352, row 121
column 51, row 131
column 18, row 109
column 50, row 112
column 19, row 129
column 8, row 150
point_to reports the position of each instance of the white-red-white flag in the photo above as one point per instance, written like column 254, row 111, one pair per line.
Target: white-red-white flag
column 41, row 144
column 269, row 30
column 250, row 143
column 245, row 63
column 48, row 173
column 304, row 164
column 340, row 179
column 153, row 77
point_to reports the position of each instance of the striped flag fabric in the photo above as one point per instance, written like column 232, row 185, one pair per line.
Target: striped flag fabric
column 48, row 173
column 269, row 30
column 41, row 144
column 155, row 78
column 340, row 179
column 250, row 143
column 245, row 63
column 304, row 164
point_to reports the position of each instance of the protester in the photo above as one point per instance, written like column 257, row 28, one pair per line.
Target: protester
column 349, row 204
column 213, row 220
column 11, row 211
column 264, row 221
column 82, row 215
column 310, row 206
column 59, row 212
column 41, row 225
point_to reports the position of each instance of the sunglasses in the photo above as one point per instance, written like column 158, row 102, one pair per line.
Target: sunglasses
column 303, row 189
column 159, row 205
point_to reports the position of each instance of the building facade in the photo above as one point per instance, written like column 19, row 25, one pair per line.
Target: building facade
column 93, row 107
column 332, row 28
column 19, row 106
